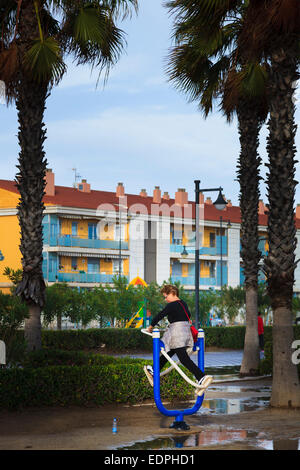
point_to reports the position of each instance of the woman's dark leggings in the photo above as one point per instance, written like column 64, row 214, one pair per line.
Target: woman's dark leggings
column 185, row 360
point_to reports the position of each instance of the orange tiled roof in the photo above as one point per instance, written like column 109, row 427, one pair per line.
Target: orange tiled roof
column 72, row 197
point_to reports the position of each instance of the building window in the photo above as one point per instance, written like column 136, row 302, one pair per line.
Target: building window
column 210, row 268
column 74, row 264
column 117, row 232
column 93, row 265
column 176, row 234
column 74, row 229
column 212, row 239
column 116, row 266
column 92, row 231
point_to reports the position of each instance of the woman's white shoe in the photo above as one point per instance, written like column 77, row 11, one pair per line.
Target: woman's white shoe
column 203, row 384
column 149, row 374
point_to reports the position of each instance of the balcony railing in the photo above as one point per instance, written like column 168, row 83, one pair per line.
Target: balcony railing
column 92, row 278
column 204, row 250
column 73, row 241
column 190, row 280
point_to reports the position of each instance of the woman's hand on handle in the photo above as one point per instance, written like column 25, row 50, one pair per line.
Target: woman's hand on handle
column 150, row 329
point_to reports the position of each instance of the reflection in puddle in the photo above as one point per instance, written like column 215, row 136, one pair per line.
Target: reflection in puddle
column 240, row 389
column 279, row 444
column 202, row 438
column 214, row 437
column 233, row 405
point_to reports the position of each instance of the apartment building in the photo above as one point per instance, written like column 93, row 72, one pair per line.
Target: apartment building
column 90, row 236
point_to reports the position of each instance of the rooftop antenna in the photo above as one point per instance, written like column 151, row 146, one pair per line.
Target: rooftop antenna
column 76, row 176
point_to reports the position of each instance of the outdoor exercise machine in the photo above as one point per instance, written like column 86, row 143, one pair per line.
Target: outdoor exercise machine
column 159, row 347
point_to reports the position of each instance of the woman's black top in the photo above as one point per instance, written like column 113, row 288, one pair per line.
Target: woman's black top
column 174, row 311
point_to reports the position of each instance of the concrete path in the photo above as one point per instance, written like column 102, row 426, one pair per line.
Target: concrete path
column 212, row 358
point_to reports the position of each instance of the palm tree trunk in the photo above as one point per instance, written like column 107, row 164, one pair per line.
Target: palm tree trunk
column 280, row 264
column 33, row 327
column 30, row 103
column 248, row 175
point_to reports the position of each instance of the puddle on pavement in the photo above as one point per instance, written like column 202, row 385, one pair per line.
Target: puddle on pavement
column 207, row 437
column 279, row 444
column 240, row 389
column 214, row 437
column 233, row 405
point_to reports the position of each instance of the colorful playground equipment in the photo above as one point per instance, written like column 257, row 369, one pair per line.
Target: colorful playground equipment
column 139, row 318
column 159, row 347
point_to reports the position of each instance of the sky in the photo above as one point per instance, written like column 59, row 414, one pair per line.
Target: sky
column 137, row 129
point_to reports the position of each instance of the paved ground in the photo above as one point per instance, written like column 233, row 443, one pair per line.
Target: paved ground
column 212, row 358
column 234, row 417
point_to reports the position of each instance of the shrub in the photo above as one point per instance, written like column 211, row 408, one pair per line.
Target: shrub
column 58, row 357
column 84, row 385
column 114, row 339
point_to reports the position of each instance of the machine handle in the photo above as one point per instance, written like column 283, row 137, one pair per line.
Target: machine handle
column 143, row 330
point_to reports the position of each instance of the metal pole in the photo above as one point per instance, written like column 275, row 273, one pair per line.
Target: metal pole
column 197, row 270
column 120, row 247
column 221, row 247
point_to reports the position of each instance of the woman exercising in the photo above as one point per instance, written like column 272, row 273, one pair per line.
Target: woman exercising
column 177, row 337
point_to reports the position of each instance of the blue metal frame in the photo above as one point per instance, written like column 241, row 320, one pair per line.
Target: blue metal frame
column 157, row 344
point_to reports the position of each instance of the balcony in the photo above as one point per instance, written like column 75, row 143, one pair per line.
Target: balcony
column 72, row 241
column 204, row 250
column 190, row 280
column 85, row 278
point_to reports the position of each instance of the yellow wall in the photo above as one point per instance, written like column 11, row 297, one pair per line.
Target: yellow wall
column 8, row 200
column 206, row 236
column 66, row 262
column 9, row 245
column 82, row 263
column 106, row 266
column 126, row 266
column 204, row 270
column 185, row 270
column 107, row 232
column 9, row 237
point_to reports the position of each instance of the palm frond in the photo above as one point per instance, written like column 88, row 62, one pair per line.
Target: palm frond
column 203, row 12
column 267, row 21
column 254, row 80
column 44, row 61
column 9, row 64
column 118, row 8
column 121, row 8
column 248, row 84
column 93, row 38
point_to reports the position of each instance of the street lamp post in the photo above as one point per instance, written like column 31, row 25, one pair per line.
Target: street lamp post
column 221, row 245
column 120, row 236
column 219, row 204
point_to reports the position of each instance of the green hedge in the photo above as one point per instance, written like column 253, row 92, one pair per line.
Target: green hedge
column 58, row 357
column 84, row 385
column 114, row 339
column 126, row 339
column 225, row 337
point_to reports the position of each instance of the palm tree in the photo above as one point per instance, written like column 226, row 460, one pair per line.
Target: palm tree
column 251, row 110
column 36, row 36
column 275, row 34
column 206, row 65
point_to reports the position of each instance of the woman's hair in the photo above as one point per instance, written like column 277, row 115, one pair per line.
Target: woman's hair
column 169, row 289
